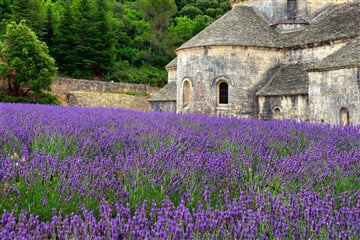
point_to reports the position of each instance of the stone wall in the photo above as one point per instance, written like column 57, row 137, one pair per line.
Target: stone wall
column 282, row 10
column 103, row 99
column 165, row 106
column 313, row 54
column 88, row 93
column 294, row 107
column 81, row 92
column 328, row 98
column 62, row 86
column 244, row 69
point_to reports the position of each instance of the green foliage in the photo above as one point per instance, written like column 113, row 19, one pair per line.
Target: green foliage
column 5, row 14
column 158, row 12
column 33, row 12
column 38, row 98
column 190, row 11
column 133, row 93
column 96, row 38
column 85, row 40
column 41, row 194
column 185, row 27
column 141, row 75
column 134, row 35
column 25, row 60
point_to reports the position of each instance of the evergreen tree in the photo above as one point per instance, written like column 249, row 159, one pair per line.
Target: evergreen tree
column 66, row 38
column 51, row 24
column 33, row 11
column 5, row 12
column 85, row 40
column 101, row 39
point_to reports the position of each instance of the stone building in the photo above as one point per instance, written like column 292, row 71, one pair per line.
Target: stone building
column 278, row 59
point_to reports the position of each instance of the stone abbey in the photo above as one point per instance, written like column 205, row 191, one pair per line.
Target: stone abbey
column 278, row 59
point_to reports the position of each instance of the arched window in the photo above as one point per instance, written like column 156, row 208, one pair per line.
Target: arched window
column 223, row 93
column 186, row 93
column 276, row 113
column 344, row 116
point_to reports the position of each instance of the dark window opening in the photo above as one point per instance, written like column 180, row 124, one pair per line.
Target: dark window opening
column 223, row 93
column 291, row 9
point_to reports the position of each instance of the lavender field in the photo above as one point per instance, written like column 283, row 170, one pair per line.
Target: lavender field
column 100, row 173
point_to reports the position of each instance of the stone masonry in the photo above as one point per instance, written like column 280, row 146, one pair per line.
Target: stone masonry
column 279, row 59
column 81, row 92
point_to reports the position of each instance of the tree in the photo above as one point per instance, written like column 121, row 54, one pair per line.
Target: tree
column 24, row 60
column 33, row 12
column 133, row 36
column 183, row 30
column 4, row 14
column 158, row 12
column 190, row 11
column 65, row 39
column 101, row 39
column 85, row 39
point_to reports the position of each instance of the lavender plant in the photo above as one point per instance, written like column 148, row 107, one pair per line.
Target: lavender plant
column 102, row 173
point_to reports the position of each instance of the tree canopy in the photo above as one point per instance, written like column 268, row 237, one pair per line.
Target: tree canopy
column 118, row 40
column 24, row 60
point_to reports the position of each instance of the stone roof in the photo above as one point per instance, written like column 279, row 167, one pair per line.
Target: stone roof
column 172, row 64
column 339, row 22
column 239, row 26
column 165, row 94
column 288, row 80
column 242, row 26
column 347, row 56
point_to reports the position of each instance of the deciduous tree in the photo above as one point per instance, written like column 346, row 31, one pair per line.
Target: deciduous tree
column 24, row 60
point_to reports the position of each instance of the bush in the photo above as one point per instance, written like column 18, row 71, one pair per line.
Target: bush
column 39, row 98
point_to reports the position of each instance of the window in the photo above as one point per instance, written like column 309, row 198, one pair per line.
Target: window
column 344, row 116
column 186, row 94
column 291, row 9
column 276, row 113
column 223, row 93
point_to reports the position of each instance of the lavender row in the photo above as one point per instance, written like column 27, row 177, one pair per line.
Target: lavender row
column 168, row 176
column 248, row 216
